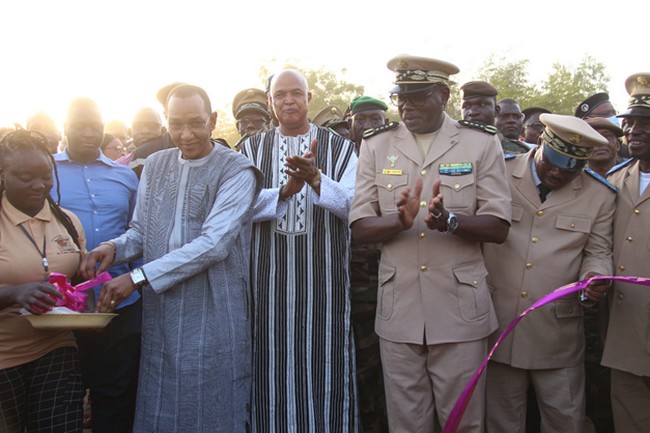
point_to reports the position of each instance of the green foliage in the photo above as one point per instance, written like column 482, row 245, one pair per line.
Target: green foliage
column 561, row 92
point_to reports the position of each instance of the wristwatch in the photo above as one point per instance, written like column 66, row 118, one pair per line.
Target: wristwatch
column 138, row 277
column 452, row 222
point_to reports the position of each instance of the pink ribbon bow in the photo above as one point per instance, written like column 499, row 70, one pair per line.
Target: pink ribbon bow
column 74, row 297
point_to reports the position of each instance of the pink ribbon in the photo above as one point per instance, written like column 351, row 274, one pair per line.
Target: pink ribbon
column 73, row 296
column 463, row 400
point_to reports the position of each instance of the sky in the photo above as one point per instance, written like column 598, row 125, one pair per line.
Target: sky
column 121, row 52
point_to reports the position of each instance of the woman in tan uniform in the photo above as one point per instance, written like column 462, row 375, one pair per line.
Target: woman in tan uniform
column 40, row 380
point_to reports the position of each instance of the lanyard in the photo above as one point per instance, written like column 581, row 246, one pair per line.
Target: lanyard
column 42, row 253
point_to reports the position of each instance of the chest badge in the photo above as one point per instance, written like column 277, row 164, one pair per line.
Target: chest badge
column 392, row 159
column 455, row 168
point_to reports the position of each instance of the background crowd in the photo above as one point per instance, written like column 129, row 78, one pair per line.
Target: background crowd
column 335, row 273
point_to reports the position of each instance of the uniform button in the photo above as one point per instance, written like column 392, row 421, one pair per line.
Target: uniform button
column 621, row 268
column 423, row 268
column 637, row 212
column 629, row 238
column 96, row 230
column 389, row 186
column 572, row 225
column 620, row 296
column 570, row 309
column 524, row 294
column 475, row 282
column 92, row 195
column 540, row 212
column 457, row 186
column 422, row 235
column 423, row 172
column 529, row 266
column 534, row 239
column 423, row 203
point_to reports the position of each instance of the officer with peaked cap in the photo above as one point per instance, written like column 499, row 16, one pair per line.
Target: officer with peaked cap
column 627, row 346
column 331, row 117
column 431, row 191
column 365, row 113
column 250, row 110
column 561, row 232
column 604, row 158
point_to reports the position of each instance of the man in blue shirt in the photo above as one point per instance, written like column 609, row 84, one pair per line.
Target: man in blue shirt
column 102, row 194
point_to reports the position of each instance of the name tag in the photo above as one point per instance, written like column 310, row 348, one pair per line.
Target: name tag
column 392, row 171
column 455, row 168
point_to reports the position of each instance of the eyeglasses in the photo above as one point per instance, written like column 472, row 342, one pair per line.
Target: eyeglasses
column 418, row 99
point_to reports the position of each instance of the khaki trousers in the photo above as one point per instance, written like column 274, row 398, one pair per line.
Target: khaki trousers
column 630, row 402
column 421, row 379
column 560, row 395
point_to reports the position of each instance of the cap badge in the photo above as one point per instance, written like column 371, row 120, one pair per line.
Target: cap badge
column 584, row 108
column 575, row 138
column 402, row 64
column 642, row 80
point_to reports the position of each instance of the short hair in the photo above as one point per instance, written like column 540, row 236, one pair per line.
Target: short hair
column 188, row 90
column 82, row 103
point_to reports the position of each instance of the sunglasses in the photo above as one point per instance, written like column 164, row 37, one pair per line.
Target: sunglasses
column 418, row 99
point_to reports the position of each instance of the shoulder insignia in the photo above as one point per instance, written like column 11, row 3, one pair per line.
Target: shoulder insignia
column 617, row 167
column 489, row 129
column 601, row 179
column 374, row 131
column 508, row 156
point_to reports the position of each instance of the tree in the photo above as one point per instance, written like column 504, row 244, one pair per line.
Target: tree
column 564, row 89
column 561, row 92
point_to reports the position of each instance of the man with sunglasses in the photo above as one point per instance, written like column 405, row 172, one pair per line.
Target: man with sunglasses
column 431, row 191
column 561, row 232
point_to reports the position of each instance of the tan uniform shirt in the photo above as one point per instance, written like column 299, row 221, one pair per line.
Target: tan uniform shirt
column 549, row 245
column 627, row 346
column 432, row 285
column 21, row 263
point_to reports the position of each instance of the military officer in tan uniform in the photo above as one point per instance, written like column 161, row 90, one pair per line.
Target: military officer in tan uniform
column 561, row 232
column 627, row 346
column 251, row 112
column 430, row 190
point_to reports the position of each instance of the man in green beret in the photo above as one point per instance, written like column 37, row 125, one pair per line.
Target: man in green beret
column 366, row 112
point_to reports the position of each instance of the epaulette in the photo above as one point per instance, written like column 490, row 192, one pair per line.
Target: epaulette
column 617, row 167
column 490, row 129
column 383, row 128
column 508, row 156
column 601, row 179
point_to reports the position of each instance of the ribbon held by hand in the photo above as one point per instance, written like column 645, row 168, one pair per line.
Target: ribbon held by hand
column 74, row 297
column 463, row 400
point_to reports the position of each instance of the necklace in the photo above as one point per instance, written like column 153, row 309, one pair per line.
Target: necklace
column 42, row 253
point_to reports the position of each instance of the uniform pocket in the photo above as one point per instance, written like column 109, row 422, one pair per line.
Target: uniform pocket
column 573, row 223
column 459, row 192
column 389, row 188
column 517, row 213
column 386, row 294
column 565, row 309
column 472, row 292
